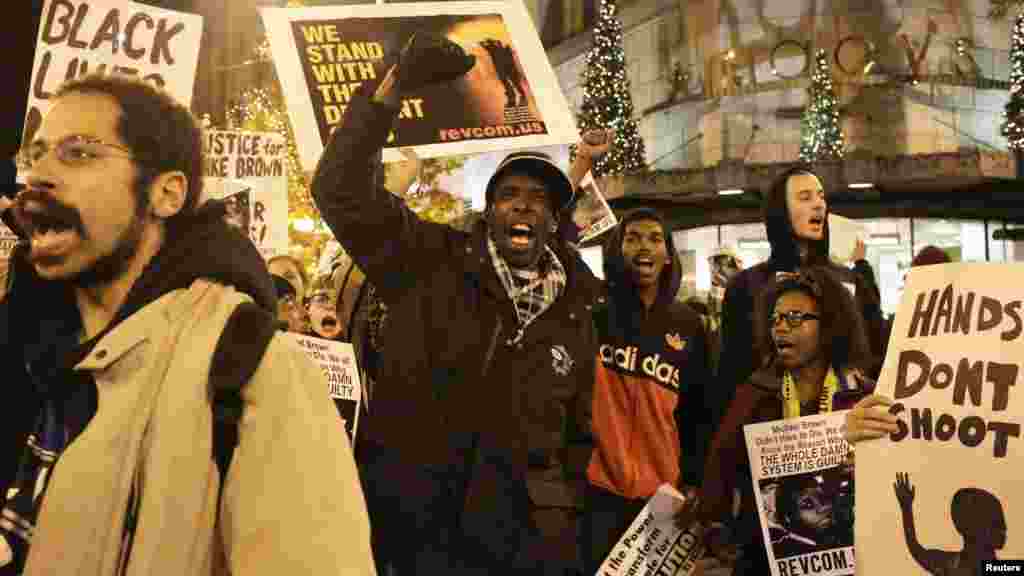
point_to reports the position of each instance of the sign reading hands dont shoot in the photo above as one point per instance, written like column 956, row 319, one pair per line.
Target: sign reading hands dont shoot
column 942, row 495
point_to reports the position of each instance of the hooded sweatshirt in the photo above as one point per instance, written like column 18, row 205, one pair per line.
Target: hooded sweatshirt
column 739, row 358
column 39, row 323
column 648, row 419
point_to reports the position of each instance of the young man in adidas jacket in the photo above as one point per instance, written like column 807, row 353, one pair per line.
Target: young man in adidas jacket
column 648, row 415
column 115, row 302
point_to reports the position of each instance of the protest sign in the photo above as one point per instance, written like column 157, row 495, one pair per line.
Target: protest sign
column 7, row 241
column 508, row 98
column 944, row 492
column 79, row 37
column 653, row 545
column 249, row 171
column 843, row 235
column 338, row 361
column 592, row 215
column 803, row 485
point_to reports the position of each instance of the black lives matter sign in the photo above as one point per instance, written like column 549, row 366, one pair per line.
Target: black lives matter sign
column 80, row 37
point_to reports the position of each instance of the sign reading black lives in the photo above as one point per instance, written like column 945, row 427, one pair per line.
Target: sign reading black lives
column 80, row 37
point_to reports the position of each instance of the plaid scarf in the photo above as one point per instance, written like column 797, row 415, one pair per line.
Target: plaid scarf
column 532, row 291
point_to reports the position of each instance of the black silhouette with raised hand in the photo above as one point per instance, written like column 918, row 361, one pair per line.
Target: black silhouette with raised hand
column 978, row 517
column 505, row 64
column 428, row 59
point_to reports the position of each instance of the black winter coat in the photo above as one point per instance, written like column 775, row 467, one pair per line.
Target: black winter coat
column 451, row 383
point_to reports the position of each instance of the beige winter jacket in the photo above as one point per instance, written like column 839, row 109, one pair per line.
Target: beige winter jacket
column 292, row 503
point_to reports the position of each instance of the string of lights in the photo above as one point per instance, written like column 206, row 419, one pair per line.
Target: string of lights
column 1013, row 123
column 607, row 102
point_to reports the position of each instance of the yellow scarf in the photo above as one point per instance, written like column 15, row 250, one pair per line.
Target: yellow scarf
column 791, row 399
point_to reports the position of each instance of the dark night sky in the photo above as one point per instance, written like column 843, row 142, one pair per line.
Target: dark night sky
column 18, row 29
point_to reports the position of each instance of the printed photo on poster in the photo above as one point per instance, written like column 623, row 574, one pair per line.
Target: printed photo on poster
column 7, row 241
column 592, row 215
column 804, row 488
column 79, row 37
column 338, row 362
column 492, row 99
column 236, row 161
column 654, row 545
column 238, row 210
column 942, row 495
column 505, row 96
column 237, row 198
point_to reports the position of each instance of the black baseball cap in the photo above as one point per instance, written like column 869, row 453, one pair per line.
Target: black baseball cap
column 540, row 166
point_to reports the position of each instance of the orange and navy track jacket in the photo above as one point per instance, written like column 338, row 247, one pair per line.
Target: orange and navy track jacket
column 648, row 416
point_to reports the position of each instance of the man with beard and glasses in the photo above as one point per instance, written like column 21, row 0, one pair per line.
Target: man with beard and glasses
column 111, row 314
column 474, row 456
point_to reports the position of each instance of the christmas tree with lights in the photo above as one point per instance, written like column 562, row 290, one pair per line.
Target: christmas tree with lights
column 1013, row 124
column 821, row 137
column 607, row 102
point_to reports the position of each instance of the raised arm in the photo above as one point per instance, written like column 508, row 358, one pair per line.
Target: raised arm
column 385, row 239
column 927, row 559
column 595, row 144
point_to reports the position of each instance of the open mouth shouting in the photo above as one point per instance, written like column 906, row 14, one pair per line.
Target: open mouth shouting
column 783, row 346
column 644, row 263
column 328, row 326
column 53, row 229
column 521, row 236
column 816, row 223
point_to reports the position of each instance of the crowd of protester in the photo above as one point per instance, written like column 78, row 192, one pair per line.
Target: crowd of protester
column 518, row 412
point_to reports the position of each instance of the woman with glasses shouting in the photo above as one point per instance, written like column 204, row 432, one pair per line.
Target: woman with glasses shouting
column 810, row 337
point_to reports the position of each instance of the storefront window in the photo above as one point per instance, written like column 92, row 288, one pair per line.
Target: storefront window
column 694, row 247
column 750, row 242
column 1003, row 250
column 887, row 248
column 962, row 240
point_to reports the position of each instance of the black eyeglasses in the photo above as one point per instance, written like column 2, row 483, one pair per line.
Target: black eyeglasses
column 74, row 150
column 321, row 299
column 793, row 318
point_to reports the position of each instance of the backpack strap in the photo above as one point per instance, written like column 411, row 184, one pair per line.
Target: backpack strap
column 239, row 352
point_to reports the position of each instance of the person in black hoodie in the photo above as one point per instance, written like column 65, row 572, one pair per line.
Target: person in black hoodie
column 796, row 218
column 648, row 422
column 116, row 255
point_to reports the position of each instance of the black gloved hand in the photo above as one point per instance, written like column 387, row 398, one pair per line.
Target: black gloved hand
column 428, row 59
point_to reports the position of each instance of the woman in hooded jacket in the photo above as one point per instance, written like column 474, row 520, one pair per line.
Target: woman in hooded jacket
column 796, row 218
